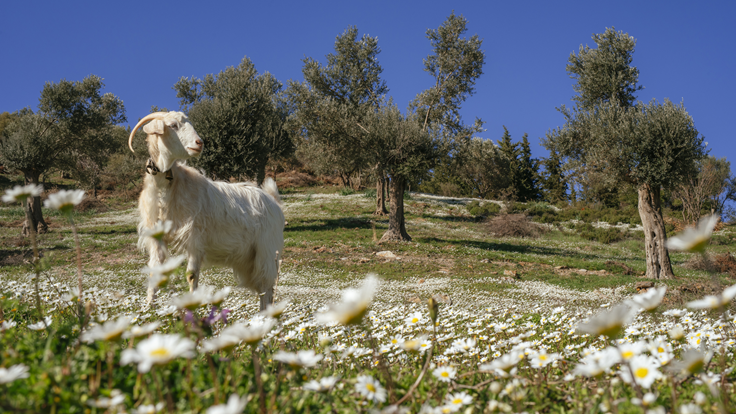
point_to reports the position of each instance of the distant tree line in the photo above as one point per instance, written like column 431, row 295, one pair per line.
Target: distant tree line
column 340, row 121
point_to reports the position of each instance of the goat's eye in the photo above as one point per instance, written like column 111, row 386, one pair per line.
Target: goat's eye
column 174, row 126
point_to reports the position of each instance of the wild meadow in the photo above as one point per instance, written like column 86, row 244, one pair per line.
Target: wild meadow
column 459, row 319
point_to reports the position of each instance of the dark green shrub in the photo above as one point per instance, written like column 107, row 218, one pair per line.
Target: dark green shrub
column 600, row 234
column 347, row 191
column 539, row 209
column 515, row 208
column 547, row 217
column 482, row 210
column 370, row 193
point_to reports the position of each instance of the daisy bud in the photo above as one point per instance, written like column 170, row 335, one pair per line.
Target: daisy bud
column 433, row 309
column 676, row 333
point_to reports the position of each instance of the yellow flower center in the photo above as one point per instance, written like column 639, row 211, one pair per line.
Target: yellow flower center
column 445, row 374
column 160, row 352
column 641, row 372
column 543, row 357
column 457, row 401
column 370, row 387
column 414, row 320
column 660, row 349
column 627, row 354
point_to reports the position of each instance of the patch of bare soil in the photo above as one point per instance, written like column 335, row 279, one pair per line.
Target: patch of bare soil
column 17, row 241
column 14, row 257
column 14, row 223
column 725, row 263
column 567, row 271
column 514, row 225
column 89, row 204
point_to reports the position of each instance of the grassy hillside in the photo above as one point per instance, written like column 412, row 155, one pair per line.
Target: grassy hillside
column 501, row 299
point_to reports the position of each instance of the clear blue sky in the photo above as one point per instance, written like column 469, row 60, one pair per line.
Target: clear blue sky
column 685, row 51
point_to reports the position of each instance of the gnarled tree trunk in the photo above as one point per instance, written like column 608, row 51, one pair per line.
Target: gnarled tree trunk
column 380, row 196
column 396, row 227
column 34, row 216
column 658, row 259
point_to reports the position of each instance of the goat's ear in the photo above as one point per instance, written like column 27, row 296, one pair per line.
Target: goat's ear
column 154, row 127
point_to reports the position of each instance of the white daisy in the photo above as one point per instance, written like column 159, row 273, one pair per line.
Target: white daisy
column 504, row 363
column 693, row 361
column 459, row 399
column 235, row 405
column 159, row 230
column 714, row 302
column 275, row 310
column 190, row 300
column 323, row 385
column 137, row 331
column 301, row 359
column 7, row 325
column 370, row 388
column 149, row 409
column 116, row 398
column 158, row 350
column 64, row 200
column 21, row 192
column 109, row 331
column 166, row 268
column 251, row 334
column 650, row 299
column 607, row 323
column 13, row 373
column 445, row 373
column 694, row 239
column 645, row 371
column 354, row 304
column 39, row 326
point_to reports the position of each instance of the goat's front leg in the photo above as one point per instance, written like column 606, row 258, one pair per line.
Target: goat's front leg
column 157, row 255
column 266, row 298
column 194, row 262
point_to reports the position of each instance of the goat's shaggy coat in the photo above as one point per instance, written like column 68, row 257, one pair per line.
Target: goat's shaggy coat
column 214, row 223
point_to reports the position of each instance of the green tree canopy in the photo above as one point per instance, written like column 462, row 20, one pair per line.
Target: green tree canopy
column 240, row 114
column 71, row 130
column 330, row 106
column 605, row 74
column 609, row 139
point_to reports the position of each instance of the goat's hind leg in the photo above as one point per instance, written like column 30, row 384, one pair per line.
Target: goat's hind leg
column 194, row 263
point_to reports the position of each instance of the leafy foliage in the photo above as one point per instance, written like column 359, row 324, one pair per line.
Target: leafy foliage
column 241, row 116
column 605, row 74
column 330, row 107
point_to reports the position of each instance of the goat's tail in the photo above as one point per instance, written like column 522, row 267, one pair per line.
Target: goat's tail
column 269, row 186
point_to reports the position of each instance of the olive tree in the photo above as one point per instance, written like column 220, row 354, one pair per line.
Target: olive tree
column 241, row 115
column 651, row 146
column 455, row 65
column 73, row 122
column 331, row 106
column 483, row 168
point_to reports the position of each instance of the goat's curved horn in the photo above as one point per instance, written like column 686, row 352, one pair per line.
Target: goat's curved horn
column 149, row 117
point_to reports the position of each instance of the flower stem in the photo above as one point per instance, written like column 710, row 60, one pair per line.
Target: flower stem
column 79, row 271
column 419, row 378
column 259, row 382
column 34, row 243
column 213, row 372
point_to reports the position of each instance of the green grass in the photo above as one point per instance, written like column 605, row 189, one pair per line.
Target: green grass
column 331, row 242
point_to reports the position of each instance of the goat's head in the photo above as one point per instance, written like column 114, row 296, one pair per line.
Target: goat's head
column 171, row 137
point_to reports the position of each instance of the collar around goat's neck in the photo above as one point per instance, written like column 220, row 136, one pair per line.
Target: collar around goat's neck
column 152, row 169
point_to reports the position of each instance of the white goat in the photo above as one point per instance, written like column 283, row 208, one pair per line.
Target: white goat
column 214, row 223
